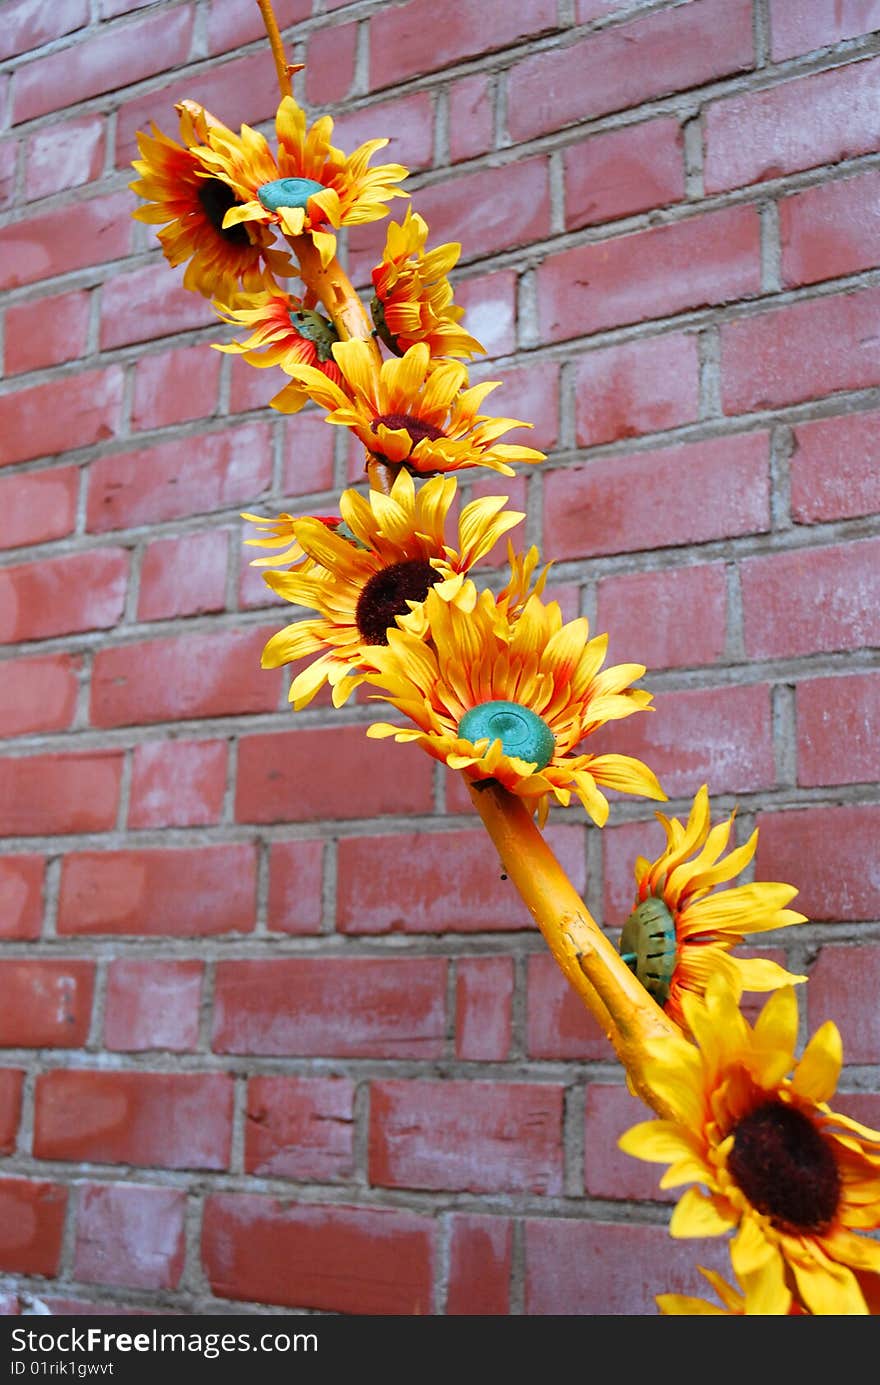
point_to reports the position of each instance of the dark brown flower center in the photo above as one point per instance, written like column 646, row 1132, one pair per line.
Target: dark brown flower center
column 386, row 594
column 786, row 1169
column 417, row 428
column 216, row 197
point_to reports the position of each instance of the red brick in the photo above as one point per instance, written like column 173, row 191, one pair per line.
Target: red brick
column 61, row 596
column 283, row 777
column 530, row 393
column 830, row 230
column 231, row 24
column 147, row 303
column 489, row 302
column 720, row 736
column 473, row 27
column 330, row 59
column 558, row 1025
column 296, row 887
column 111, row 9
column 608, row 1172
column 177, row 784
column 38, row 694
column 48, row 1003
column 675, row 618
column 102, row 63
column 57, row 242
column 182, row 892
column 575, row 1268
column 480, row 1262
column 838, row 730
column 204, row 675
column 308, row 458
column 60, row 415
column 44, row 795
column 478, row 1137
column 516, row 490
column 843, row 988
column 46, row 331
column 90, row 1308
column 353, row 1260
column 471, row 118
column 835, row 469
column 647, row 274
column 800, row 28
column 31, row 1226
column 629, row 64
column 642, row 386
column 29, row 23
column 300, row 1128
column 623, row 171
column 811, row 600
column 21, row 896
column 11, row 1082
column 621, row 844
column 152, row 1119
column 634, row 502
column 861, row 1106
column 185, row 477
column 826, row 853
column 152, row 1005
column 8, row 162
column 491, row 209
column 64, row 156
column 184, row 576
column 332, row 1007
column 237, row 91
column 129, row 1235
column 175, row 386
column 483, row 1008
column 440, row 882
column 815, row 120
column 251, row 387
column 588, row 10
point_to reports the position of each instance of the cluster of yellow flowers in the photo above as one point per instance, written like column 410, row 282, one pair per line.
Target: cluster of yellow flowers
column 495, row 684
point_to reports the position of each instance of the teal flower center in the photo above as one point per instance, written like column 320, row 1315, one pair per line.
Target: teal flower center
column 520, row 730
column 648, row 946
column 786, row 1169
column 316, row 329
column 288, row 192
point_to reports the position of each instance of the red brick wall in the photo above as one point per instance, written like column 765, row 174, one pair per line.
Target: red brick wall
column 275, row 1031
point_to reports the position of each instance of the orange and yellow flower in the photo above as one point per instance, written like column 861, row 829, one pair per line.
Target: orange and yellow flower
column 682, row 930
column 180, row 190
column 511, row 696
column 762, row 1295
column 412, row 298
column 409, row 413
column 795, row 1181
column 373, row 571
column 282, row 332
column 310, row 186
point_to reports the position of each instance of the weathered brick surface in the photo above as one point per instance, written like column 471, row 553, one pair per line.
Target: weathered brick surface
column 277, row 1032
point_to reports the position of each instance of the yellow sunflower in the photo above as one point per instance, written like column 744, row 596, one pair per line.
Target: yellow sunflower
column 412, row 298
column 510, row 696
column 282, row 332
column 373, row 570
column 277, row 532
column 310, row 186
column 408, row 414
column 765, row 1295
column 180, row 190
column 796, row 1181
column 679, row 932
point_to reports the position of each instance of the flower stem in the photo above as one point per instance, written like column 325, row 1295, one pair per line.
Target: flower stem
column 282, row 68
column 614, row 996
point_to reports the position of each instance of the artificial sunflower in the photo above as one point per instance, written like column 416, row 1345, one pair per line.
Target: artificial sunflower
column 510, row 696
column 282, row 332
column 277, row 531
column 310, row 186
column 761, row 1295
column 680, row 932
column 373, row 570
column 180, row 190
column 412, row 298
column 793, row 1179
column 408, row 414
